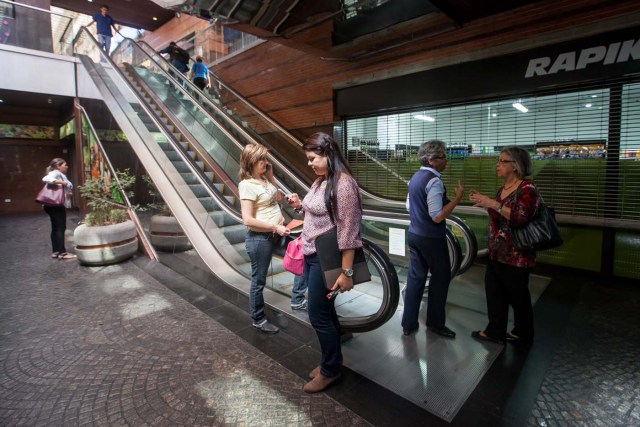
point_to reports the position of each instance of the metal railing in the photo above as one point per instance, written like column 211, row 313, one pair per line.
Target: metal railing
column 35, row 28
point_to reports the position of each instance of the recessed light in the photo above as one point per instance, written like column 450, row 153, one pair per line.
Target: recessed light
column 494, row 114
column 594, row 96
column 155, row 19
column 1, row 100
column 588, row 105
column 518, row 106
column 425, row 118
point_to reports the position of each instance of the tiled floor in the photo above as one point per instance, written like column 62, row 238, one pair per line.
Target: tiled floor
column 113, row 346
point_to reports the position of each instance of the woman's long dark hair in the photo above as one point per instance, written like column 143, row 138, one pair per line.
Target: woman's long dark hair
column 324, row 145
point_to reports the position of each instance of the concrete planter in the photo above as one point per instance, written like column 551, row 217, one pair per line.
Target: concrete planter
column 105, row 244
column 167, row 235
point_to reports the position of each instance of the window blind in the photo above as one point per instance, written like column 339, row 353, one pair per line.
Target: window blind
column 585, row 146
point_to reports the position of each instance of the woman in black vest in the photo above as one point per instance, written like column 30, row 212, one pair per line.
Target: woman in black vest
column 428, row 208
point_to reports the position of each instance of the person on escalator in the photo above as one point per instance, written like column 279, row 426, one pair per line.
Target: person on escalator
column 332, row 202
column 104, row 24
column 178, row 57
column 428, row 208
column 200, row 74
column 263, row 218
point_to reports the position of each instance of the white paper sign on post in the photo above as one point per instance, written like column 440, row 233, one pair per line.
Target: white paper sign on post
column 397, row 241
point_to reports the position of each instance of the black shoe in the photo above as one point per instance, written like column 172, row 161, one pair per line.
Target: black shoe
column 409, row 331
column 515, row 339
column 444, row 332
column 476, row 335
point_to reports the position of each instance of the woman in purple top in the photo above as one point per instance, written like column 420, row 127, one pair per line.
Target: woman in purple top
column 332, row 202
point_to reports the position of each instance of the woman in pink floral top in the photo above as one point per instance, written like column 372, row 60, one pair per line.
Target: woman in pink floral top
column 508, row 268
column 332, row 202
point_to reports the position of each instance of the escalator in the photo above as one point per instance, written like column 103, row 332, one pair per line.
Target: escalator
column 193, row 160
column 247, row 123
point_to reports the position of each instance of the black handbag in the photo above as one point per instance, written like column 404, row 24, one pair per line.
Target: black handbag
column 331, row 260
column 540, row 233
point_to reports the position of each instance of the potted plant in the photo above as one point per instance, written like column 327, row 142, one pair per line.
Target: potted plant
column 165, row 232
column 107, row 235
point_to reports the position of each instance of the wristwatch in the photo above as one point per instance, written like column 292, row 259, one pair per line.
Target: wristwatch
column 348, row 272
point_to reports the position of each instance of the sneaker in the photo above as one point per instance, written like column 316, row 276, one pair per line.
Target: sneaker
column 266, row 327
column 301, row 306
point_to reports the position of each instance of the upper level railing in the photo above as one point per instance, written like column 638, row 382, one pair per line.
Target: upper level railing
column 35, row 28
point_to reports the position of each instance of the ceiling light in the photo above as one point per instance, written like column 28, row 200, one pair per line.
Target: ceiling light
column 518, row 106
column 425, row 118
column 588, row 105
column 594, row 96
column 155, row 19
column 494, row 114
column 1, row 100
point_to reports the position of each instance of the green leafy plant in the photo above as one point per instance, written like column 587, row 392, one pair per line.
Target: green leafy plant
column 105, row 199
column 158, row 204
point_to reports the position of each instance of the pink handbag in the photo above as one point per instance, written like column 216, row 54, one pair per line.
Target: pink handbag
column 51, row 195
column 293, row 260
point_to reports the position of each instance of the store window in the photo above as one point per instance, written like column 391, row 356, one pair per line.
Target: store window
column 567, row 134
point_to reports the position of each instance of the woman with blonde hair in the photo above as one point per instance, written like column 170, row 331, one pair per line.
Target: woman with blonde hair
column 261, row 214
column 56, row 174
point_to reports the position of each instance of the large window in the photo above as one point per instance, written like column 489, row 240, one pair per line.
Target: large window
column 585, row 145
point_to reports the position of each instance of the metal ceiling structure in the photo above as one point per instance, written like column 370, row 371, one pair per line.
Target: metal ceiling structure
column 358, row 27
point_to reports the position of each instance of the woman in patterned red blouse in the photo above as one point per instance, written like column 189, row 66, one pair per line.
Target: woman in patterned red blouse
column 508, row 268
column 332, row 202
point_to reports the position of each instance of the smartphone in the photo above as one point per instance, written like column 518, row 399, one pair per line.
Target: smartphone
column 333, row 294
column 286, row 196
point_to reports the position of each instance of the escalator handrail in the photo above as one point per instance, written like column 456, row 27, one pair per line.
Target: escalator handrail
column 255, row 109
column 134, row 218
column 470, row 240
column 471, row 255
column 241, row 130
column 168, row 135
column 381, row 317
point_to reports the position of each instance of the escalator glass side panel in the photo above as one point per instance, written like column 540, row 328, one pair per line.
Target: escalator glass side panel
column 223, row 230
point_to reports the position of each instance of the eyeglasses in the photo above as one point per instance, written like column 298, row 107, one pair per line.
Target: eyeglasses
column 503, row 161
column 439, row 158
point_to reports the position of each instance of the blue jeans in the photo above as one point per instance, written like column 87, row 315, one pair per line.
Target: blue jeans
column 298, row 290
column 427, row 254
column 323, row 317
column 259, row 247
column 105, row 42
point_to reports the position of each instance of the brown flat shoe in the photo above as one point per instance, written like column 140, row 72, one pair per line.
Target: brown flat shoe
column 319, row 383
column 315, row 372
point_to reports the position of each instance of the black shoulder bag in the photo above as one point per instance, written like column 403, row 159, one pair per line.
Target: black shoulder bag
column 540, row 233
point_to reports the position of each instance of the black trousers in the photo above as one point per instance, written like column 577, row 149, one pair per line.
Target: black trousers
column 201, row 82
column 507, row 285
column 427, row 254
column 58, row 216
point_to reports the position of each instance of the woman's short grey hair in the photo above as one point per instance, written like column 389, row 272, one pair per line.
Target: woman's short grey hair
column 430, row 149
column 522, row 159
